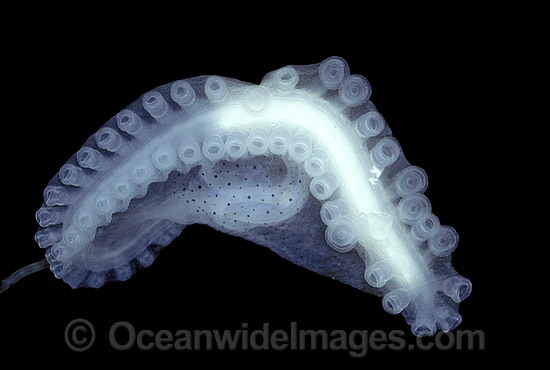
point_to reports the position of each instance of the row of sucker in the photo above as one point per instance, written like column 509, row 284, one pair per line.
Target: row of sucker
column 66, row 229
column 413, row 207
column 96, row 156
column 114, row 196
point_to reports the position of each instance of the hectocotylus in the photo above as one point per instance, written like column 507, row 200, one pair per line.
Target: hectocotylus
column 303, row 164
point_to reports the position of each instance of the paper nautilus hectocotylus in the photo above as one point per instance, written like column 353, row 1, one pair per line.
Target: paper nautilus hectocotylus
column 303, row 164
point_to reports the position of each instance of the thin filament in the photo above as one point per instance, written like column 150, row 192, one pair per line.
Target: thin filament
column 21, row 273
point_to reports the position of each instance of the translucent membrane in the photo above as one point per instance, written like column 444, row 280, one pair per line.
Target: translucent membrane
column 385, row 152
column 332, row 209
column 396, row 301
column 257, row 142
column 285, row 79
column 213, row 147
column 333, row 71
column 89, row 158
column 414, row 208
column 279, row 141
column 457, row 287
column 370, row 124
column 153, row 102
column 355, row 91
column 323, row 187
column 341, row 234
column 182, row 93
column 411, row 180
column 378, row 274
column 108, row 139
column 129, row 122
column 444, row 241
column 317, row 164
column 317, row 115
column 300, row 147
column 215, row 89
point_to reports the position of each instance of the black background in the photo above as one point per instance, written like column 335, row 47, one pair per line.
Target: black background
column 433, row 82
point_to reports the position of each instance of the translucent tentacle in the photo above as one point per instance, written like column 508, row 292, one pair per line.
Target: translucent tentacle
column 22, row 272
